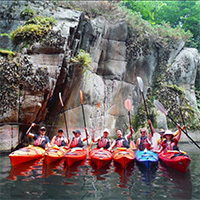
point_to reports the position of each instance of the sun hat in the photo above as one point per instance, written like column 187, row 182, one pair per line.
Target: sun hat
column 161, row 131
column 168, row 132
column 106, row 131
column 76, row 131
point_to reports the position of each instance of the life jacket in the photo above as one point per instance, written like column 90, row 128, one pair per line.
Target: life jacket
column 59, row 141
column 104, row 142
column 41, row 141
column 144, row 143
column 122, row 142
column 170, row 146
column 76, row 142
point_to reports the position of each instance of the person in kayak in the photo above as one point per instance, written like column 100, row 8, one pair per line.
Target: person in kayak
column 144, row 141
column 59, row 139
column 76, row 140
column 171, row 141
column 40, row 140
column 121, row 141
column 103, row 141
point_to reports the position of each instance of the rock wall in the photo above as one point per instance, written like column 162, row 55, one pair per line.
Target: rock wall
column 110, row 80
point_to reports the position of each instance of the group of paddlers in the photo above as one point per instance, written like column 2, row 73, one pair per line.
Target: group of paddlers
column 167, row 140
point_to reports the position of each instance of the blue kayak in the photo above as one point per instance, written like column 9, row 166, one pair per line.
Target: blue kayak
column 146, row 157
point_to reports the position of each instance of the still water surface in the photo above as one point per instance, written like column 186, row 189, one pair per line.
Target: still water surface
column 36, row 181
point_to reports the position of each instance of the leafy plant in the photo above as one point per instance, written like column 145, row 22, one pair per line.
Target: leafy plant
column 82, row 58
column 27, row 12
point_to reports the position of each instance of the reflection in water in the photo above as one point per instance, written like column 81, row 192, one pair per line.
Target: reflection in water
column 148, row 175
column 124, row 173
column 28, row 169
column 182, row 182
column 84, row 181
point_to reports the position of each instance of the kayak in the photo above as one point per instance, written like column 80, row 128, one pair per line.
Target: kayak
column 146, row 158
column 54, row 154
column 26, row 154
column 75, row 155
column 177, row 160
column 123, row 156
column 100, row 157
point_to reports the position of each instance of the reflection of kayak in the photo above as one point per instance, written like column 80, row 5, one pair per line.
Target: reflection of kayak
column 23, row 169
column 123, row 156
column 75, row 155
column 100, row 157
column 53, row 154
column 177, row 160
column 146, row 158
column 26, row 154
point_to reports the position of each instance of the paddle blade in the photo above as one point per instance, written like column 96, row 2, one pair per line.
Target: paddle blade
column 81, row 96
column 127, row 104
column 60, row 97
column 159, row 106
column 140, row 83
column 178, row 100
column 98, row 104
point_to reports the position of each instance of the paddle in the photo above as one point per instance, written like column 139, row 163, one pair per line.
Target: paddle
column 61, row 101
column 81, row 97
column 178, row 102
column 92, row 139
column 127, row 105
column 160, row 107
column 141, row 86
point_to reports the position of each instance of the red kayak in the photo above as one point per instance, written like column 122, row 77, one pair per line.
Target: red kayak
column 26, row 154
column 123, row 156
column 100, row 157
column 177, row 160
column 75, row 155
column 54, row 154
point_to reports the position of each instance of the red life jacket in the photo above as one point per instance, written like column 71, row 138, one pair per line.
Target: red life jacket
column 144, row 143
column 39, row 140
column 104, row 142
column 76, row 142
column 169, row 146
column 59, row 141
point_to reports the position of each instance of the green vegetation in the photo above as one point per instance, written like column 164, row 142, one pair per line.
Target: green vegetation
column 27, row 12
column 178, row 14
column 34, row 30
column 8, row 53
column 82, row 58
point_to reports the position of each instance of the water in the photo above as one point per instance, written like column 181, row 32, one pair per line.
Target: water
column 36, row 181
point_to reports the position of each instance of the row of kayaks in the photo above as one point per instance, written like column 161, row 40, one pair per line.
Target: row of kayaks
column 178, row 160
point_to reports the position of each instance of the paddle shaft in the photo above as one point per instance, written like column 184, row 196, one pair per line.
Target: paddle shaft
column 84, row 120
column 61, row 101
column 184, row 131
column 146, row 111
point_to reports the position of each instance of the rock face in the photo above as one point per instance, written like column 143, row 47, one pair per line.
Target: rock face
column 110, row 80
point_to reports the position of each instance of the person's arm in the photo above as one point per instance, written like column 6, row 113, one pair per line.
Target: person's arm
column 137, row 143
column 31, row 135
column 87, row 137
column 53, row 140
column 152, row 129
column 179, row 133
column 129, row 134
column 112, row 146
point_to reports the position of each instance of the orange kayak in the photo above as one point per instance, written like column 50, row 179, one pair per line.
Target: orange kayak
column 26, row 154
column 54, row 154
column 177, row 160
column 100, row 157
column 123, row 156
column 75, row 155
